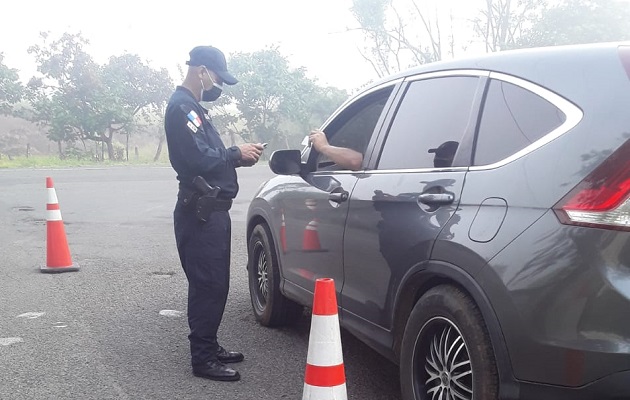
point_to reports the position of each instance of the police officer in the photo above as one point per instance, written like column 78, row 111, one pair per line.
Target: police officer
column 203, row 234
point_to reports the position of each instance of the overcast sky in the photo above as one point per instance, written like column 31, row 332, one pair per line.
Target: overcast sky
column 311, row 33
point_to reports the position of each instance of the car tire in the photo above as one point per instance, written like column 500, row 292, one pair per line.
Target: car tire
column 446, row 348
column 271, row 308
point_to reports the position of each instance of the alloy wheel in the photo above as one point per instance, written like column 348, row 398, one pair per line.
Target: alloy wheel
column 262, row 275
column 443, row 362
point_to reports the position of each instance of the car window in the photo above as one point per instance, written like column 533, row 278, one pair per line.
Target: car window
column 512, row 119
column 429, row 123
column 354, row 126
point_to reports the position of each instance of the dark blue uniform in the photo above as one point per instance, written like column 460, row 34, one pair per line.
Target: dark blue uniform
column 195, row 149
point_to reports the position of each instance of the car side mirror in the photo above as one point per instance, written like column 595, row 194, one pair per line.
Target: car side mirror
column 286, row 162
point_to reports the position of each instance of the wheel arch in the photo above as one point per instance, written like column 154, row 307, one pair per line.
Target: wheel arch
column 259, row 213
column 434, row 273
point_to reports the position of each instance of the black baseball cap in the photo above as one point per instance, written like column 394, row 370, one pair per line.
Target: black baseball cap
column 213, row 59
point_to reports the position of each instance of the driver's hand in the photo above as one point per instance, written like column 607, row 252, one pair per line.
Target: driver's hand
column 318, row 139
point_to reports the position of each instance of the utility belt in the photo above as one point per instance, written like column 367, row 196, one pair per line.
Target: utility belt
column 203, row 199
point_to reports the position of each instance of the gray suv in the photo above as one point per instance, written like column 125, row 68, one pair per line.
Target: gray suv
column 484, row 245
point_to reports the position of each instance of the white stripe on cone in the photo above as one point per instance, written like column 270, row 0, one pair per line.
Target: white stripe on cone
column 325, row 393
column 312, row 226
column 325, row 342
column 53, row 215
column 52, row 196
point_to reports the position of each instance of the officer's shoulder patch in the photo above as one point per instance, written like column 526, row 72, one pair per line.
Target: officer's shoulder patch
column 191, row 115
column 193, row 121
column 192, row 127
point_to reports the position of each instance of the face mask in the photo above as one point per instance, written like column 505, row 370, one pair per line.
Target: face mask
column 213, row 93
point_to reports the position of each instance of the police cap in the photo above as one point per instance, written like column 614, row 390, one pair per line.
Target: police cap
column 213, row 59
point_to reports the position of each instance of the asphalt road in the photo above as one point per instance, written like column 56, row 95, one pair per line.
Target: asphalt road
column 116, row 329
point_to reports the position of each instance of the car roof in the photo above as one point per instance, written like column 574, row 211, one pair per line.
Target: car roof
column 519, row 62
column 573, row 71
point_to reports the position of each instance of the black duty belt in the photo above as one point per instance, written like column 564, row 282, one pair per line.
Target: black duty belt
column 189, row 199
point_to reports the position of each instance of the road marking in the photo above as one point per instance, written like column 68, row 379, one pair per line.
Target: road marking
column 31, row 315
column 60, row 325
column 8, row 341
column 171, row 313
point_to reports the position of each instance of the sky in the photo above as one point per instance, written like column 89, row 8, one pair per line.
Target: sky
column 320, row 35
column 311, row 33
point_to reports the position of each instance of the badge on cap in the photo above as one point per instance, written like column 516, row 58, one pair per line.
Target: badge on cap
column 194, row 118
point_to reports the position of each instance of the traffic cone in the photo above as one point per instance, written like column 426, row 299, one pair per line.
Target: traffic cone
column 57, row 251
column 283, row 234
column 311, row 237
column 325, row 376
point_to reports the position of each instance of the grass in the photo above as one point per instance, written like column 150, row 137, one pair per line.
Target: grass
column 55, row 161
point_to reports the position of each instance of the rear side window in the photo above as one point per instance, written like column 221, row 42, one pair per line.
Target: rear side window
column 512, row 119
column 429, row 123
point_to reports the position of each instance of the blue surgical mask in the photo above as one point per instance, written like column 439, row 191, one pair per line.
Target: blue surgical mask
column 213, row 93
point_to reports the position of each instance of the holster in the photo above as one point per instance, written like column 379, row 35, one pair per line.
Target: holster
column 188, row 197
column 207, row 204
column 203, row 199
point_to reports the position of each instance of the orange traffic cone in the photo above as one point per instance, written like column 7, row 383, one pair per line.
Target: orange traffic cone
column 283, row 234
column 57, row 251
column 325, row 376
column 311, row 237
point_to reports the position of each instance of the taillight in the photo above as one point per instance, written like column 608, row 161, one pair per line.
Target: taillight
column 624, row 55
column 602, row 199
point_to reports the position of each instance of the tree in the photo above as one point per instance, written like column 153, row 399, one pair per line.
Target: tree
column 273, row 102
column 60, row 95
column 263, row 78
column 81, row 100
column 11, row 90
column 401, row 34
column 579, row 21
column 136, row 94
column 10, row 142
column 161, row 132
column 502, row 22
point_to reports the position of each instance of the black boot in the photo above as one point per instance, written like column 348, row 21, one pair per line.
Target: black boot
column 216, row 371
column 229, row 356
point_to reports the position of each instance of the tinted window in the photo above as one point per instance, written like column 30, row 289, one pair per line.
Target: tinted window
column 354, row 127
column 513, row 118
column 429, row 123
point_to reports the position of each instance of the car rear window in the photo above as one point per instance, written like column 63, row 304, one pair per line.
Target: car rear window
column 512, row 119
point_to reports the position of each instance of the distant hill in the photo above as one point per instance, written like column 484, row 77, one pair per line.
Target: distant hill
column 17, row 133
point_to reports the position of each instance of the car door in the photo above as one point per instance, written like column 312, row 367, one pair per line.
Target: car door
column 315, row 213
column 411, row 190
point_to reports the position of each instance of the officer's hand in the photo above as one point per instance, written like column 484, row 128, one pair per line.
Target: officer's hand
column 318, row 139
column 250, row 153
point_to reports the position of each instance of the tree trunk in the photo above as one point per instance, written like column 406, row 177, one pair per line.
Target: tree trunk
column 60, row 150
column 127, row 149
column 158, row 152
column 110, row 148
column 109, row 139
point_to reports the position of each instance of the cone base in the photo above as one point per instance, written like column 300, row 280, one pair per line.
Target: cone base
column 46, row 269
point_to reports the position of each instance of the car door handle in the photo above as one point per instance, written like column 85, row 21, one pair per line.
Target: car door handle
column 338, row 197
column 436, row 198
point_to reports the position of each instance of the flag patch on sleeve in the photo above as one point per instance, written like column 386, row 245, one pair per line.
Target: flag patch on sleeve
column 194, row 118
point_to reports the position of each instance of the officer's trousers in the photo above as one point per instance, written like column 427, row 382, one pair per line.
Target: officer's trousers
column 204, row 252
